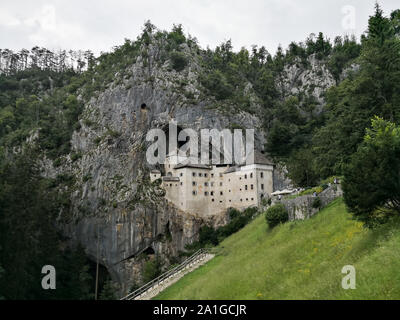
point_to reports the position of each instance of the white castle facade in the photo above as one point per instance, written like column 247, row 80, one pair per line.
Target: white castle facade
column 211, row 189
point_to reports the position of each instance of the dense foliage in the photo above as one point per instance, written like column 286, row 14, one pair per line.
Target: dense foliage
column 371, row 88
column 276, row 215
column 29, row 238
column 152, row 269
column 372, row 178
column 210, row 236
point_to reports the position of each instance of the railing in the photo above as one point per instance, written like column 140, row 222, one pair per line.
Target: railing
column 165, row 275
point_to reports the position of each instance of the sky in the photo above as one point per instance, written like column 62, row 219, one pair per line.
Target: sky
column 99, row 25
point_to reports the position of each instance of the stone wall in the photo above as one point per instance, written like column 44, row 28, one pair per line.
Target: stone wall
column 301, row 208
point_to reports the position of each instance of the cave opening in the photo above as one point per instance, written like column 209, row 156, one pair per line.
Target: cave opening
column 149, row 251
column 104, row 277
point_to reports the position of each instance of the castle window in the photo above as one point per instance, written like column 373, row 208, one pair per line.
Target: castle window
column 205, row 175
column 241, row 200
column 212, row 184
column 245, row 187
column 245, row 176
column 170, row 184
column 181, row 183
column 206, row 193
column 212, row 175
column 262, row 187
column 212, row 200
column 229, row 190
column 221, row 193
column 206, row 184
column 252, row 187
column 194, row 192
column 220, row 201
column 193, row 183
column 230, row 200
column 247, row 199
column 181, row 174
column 262, row 174
column 212, row 193
column 194, row 174
column 252, row 199
column 220, row 184
column 200, row 174
column 251, row 175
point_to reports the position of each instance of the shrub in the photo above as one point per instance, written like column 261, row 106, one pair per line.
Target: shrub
column 207, row 235
column 233, row 213
column 178, row 60
column 316, row 203
column 151, row 270
column 276, row 214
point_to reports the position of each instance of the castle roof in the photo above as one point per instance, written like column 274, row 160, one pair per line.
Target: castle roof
column 190, row 165
column 231, row 169
column 259, row 158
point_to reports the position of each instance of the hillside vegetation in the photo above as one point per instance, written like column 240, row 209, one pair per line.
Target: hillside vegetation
column 299, row 260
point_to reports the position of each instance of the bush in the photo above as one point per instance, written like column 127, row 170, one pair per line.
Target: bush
column 178, row 60
column 208, row 235
column 316, row 203
column 233, row 213
column 276, row 214
column 151, row 270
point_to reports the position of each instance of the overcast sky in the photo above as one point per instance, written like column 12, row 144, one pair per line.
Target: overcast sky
column 99, row 25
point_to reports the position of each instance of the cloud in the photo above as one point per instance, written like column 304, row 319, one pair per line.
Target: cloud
column 100, row 25
column 8, row 20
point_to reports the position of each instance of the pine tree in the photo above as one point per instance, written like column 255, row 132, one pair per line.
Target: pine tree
column 379, row 27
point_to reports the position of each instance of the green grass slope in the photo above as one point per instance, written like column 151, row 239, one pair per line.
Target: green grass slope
column 299, row 260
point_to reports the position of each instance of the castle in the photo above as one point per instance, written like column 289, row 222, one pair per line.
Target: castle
column 211, row 189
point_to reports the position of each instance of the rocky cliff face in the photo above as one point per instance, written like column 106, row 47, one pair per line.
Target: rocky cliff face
column 117, row 213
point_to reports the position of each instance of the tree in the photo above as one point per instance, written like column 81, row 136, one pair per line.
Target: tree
column 371, row 182
column 301, row 168
column 276, row 215
column 1, row 274
column 108, row 292
column 29, row 238
column 152, row 269
column 379, row 27
column 178, row 60
column 374, row 90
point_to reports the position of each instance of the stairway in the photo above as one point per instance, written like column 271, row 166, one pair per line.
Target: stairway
column 154, row 287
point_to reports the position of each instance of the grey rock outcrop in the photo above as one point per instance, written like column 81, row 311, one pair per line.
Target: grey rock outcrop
column 301, row 208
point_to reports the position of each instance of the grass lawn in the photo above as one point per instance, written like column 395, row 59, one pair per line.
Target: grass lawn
column 299, row 260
